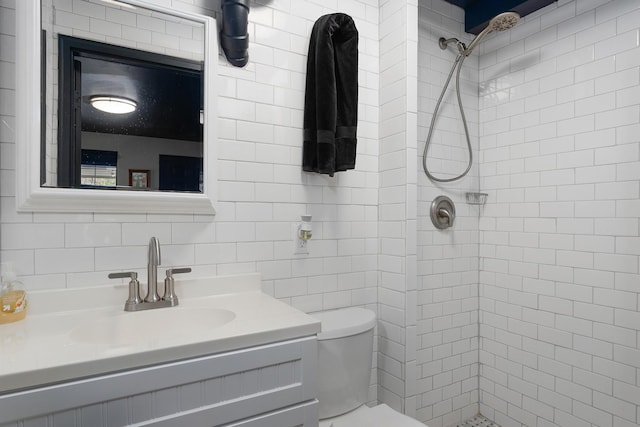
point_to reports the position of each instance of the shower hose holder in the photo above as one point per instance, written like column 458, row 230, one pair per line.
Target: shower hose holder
column 474, row 198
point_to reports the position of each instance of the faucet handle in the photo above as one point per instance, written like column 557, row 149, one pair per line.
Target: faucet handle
column 134, row 289
column 169, row 290
column 172, row 271
column 132, row 274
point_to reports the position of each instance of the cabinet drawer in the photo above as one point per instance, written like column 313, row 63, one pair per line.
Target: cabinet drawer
column 228, row 386
column 305, row 415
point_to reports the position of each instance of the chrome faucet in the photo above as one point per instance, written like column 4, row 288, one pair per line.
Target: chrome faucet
column 152, row 300
column 152, row 270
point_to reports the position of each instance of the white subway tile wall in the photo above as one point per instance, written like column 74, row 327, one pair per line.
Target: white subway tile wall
column 397, row 261
column 262, row 189
column 560, row 319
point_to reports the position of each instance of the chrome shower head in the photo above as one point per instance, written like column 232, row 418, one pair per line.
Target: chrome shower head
column 504, row 21
column 501, row 22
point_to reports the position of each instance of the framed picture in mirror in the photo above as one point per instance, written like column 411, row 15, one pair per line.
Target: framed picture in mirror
column 139, row 178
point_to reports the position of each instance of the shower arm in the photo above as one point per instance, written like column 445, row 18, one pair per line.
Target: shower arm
column 444, row 43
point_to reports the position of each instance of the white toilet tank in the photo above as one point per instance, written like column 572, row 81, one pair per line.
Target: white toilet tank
column 345, row 350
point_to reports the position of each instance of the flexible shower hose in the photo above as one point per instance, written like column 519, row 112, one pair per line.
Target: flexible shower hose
column 457, row 63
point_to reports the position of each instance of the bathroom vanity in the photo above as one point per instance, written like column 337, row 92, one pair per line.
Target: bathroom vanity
column 228, row 355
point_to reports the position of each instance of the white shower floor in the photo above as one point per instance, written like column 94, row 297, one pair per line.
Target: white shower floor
column 477, row 421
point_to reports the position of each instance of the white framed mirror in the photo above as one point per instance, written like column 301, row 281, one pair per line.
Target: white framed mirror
column 34, row 191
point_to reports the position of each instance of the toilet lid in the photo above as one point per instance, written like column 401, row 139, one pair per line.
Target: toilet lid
column 344, row 322
column 378, row 416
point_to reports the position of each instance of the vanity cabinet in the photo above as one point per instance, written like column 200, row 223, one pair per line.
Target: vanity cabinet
column 271, row 385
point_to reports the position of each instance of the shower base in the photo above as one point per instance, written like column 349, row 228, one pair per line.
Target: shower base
column 477, row 421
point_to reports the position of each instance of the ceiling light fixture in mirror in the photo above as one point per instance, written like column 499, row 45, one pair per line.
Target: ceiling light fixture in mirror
column 113, row 104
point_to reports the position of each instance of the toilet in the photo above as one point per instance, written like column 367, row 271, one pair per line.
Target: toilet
column 345, row 351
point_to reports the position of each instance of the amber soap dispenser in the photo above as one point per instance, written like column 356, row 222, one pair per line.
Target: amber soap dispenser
column 13, row 297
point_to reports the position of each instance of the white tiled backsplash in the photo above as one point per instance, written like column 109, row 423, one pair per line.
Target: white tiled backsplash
column 527, row 310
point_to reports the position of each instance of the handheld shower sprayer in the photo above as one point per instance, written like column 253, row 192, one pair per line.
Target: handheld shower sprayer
column 501, row 22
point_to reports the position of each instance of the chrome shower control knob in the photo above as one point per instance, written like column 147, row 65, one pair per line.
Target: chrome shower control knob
column 443, row 212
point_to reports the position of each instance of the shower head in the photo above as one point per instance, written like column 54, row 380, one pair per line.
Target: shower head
column 501, row 22
column 504, row 21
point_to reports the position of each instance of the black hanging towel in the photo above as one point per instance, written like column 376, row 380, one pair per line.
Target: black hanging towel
column 331, row 97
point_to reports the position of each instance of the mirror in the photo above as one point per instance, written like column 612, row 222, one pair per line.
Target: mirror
column 127, row 119
column 84, row 159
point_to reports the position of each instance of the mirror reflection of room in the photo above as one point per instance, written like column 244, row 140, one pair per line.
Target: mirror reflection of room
column 124, row 98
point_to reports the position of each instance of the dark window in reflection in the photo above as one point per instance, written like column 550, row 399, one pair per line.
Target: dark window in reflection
column 180, row 173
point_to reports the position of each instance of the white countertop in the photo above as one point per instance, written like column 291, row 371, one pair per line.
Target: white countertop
column 41, row 349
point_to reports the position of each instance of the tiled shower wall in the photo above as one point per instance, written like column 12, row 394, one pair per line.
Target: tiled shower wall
column 447, row 328
column 560, row 159
column 397, row 212
column 262, row 190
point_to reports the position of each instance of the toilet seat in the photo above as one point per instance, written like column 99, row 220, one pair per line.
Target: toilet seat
column 378, row 416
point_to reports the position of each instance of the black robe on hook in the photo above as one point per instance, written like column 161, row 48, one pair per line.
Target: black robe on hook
column 331, row 97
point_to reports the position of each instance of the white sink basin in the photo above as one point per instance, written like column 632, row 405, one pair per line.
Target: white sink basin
column 149, row 326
